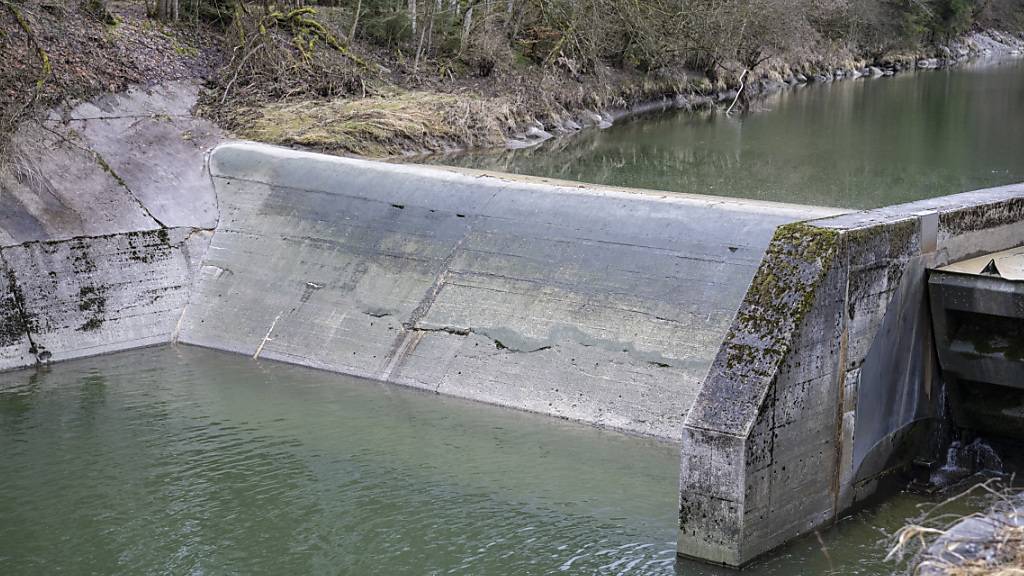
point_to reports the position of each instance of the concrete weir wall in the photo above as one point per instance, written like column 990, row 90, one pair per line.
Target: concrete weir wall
column 593, row 304
column 827, row 373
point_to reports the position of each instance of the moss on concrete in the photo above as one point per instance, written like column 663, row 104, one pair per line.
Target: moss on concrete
column 780, row 295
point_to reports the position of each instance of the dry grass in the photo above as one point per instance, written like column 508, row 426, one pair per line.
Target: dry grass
column 385, row 125
column 913, row 544
column 1008, row 551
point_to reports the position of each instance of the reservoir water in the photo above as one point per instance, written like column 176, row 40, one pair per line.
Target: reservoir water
column 853, row 144
column 180, row 460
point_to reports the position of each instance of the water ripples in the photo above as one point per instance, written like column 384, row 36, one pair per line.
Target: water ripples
column 178, row 460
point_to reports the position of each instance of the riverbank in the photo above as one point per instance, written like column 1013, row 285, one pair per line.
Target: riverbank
column 285, row 77
column 540, row 106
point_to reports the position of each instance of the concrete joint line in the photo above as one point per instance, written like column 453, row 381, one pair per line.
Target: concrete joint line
column 844, row 337
column 410, row 336
column 183, row 248
column 929, row 224
column 213, row 182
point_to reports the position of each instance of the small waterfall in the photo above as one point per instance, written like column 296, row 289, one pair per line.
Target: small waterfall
column 963, row 460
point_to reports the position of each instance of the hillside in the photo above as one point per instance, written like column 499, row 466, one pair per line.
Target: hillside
column 386, row 77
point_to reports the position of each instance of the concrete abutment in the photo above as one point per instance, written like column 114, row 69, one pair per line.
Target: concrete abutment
column 828, row 373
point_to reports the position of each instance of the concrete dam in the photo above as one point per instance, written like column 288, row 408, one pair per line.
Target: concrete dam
column 789, row 349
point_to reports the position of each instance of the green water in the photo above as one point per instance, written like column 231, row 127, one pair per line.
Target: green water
column 854, row 144
column 179, row 460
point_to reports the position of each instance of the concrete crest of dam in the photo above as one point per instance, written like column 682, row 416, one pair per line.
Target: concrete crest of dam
column 788, row 348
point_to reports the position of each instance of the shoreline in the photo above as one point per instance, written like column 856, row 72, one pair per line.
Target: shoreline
column 975, row 48
column 409, row 124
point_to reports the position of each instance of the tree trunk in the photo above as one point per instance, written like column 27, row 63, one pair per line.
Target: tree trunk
column 412, row 16
column 355, row 22
column 167, row 10
column 467, row 25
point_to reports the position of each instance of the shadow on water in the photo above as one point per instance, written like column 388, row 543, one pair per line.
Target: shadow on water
column 855, row 144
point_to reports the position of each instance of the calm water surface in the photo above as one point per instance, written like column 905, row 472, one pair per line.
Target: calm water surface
column 854, row 144
column 179, row 460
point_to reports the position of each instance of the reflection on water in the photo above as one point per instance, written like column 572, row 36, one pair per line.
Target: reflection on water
column 854, row 144
column 178, row 460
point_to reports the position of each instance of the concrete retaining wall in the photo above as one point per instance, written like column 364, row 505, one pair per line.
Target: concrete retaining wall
column 71, row 298
column 599, row 305
column 827, row 371
column 106, row 209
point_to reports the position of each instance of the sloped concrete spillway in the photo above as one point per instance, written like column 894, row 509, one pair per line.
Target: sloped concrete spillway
column 592, row 304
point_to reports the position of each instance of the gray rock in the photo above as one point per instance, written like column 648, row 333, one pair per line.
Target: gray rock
column 535, row 133
column 726, row 95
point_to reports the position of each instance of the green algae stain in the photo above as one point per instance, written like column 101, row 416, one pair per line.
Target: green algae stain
column 15, row 322
column 779, row 297
column 92, row 300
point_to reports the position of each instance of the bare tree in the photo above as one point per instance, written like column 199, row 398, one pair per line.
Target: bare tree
column 167, row 10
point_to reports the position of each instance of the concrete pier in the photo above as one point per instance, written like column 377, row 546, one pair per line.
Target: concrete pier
column 828, row 375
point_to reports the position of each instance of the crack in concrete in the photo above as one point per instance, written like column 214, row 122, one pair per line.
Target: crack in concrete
column 406, row 341
column 110, row 170
column 446, row 329
column 186, row 254
column 81, row 237
column 98, row 158
column 151, row 116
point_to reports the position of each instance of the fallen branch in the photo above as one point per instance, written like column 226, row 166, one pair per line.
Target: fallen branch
column 43, row 56
column 8, row 123
column 738, row 92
